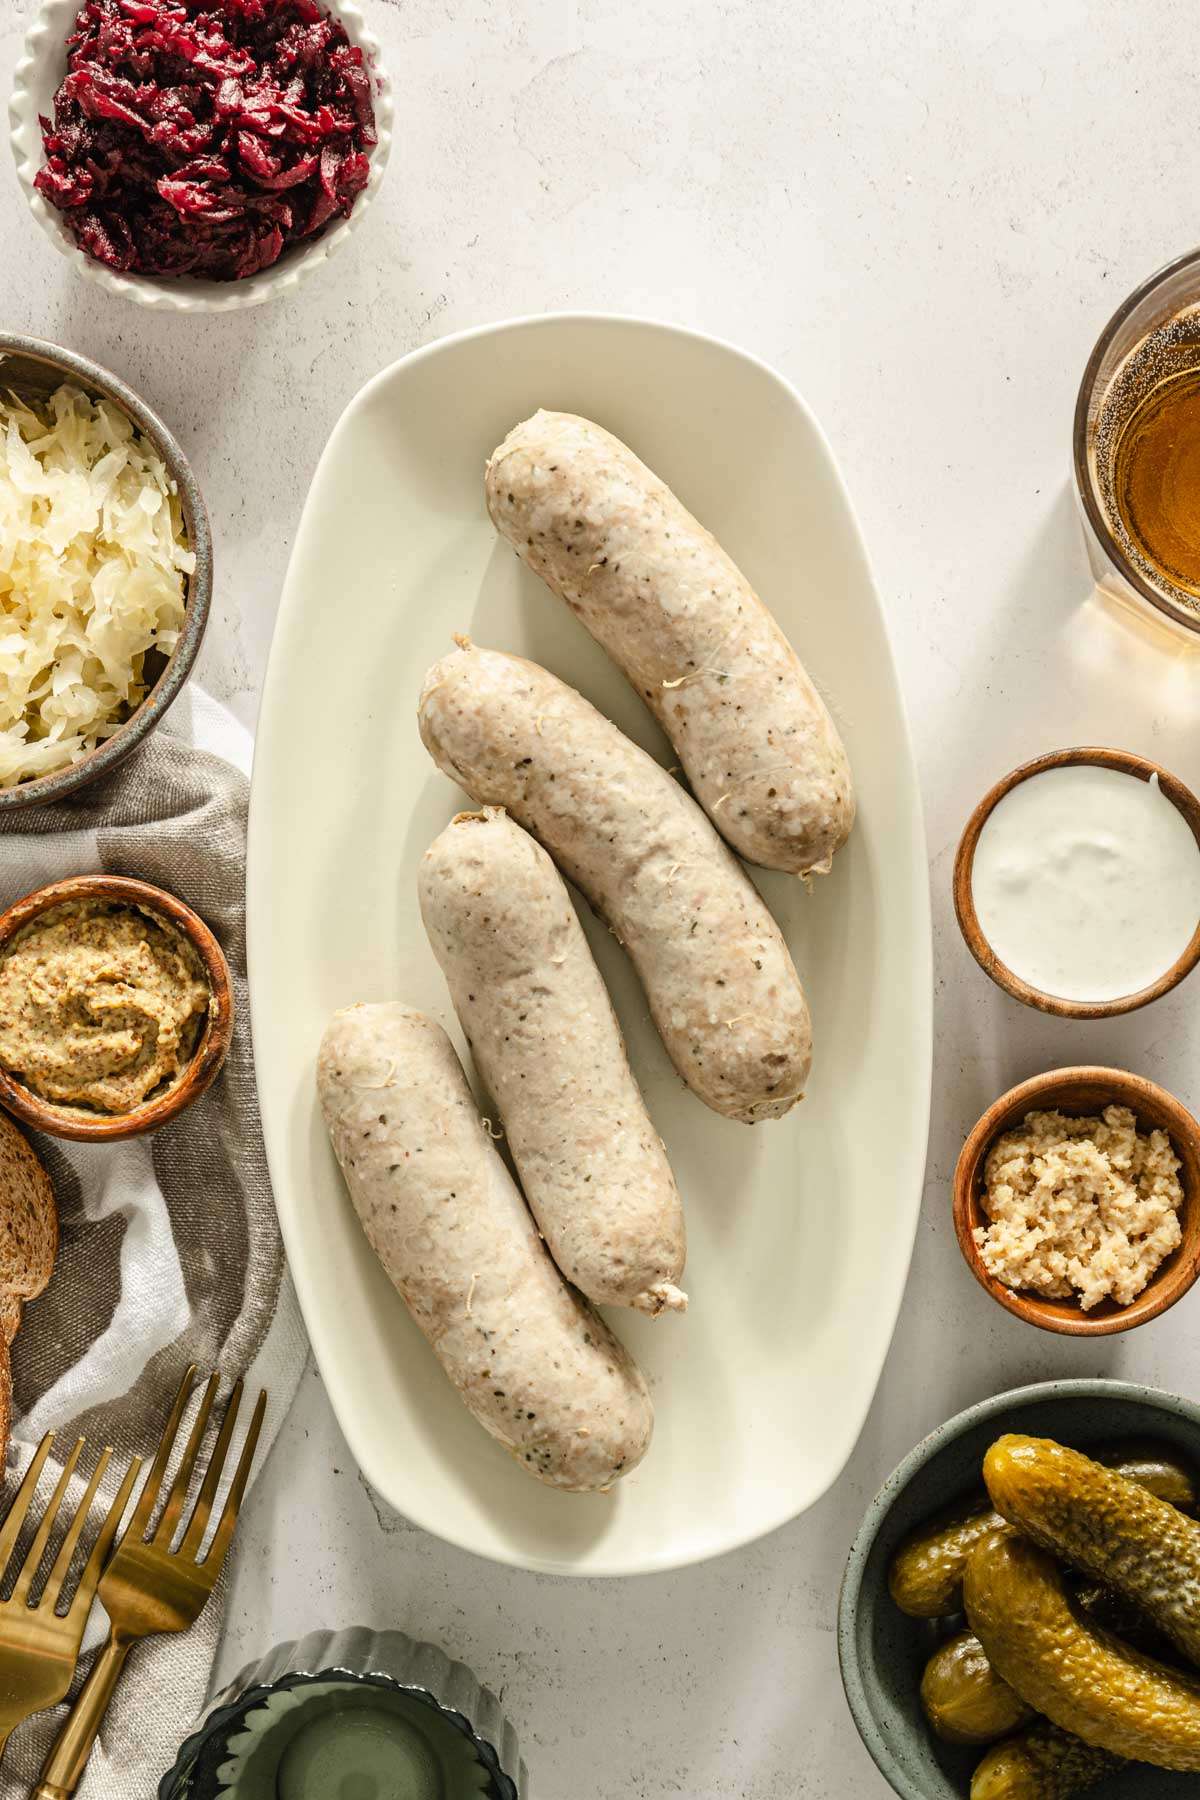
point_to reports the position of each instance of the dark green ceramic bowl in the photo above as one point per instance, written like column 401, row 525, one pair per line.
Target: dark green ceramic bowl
column 882, row 1652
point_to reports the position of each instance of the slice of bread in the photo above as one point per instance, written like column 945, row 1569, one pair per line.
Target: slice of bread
column 28, row 1217
column 10, row 1316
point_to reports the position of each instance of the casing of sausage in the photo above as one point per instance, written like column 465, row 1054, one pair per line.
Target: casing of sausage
column 677, row 615
column 722, row 988
column 531, row 1359
column 541, row 1027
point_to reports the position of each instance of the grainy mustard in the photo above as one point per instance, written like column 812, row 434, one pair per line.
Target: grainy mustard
column 100, row 1005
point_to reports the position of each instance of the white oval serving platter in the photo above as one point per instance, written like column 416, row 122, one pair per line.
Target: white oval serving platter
column 800, row 1232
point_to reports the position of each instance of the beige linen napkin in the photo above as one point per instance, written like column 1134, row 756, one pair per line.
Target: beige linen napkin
column 170, row 1249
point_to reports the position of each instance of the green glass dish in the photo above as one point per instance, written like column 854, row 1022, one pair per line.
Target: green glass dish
column 351, row 1715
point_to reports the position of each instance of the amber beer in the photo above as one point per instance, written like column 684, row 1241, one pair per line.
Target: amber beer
column 1136, row 451
column 1156, row 479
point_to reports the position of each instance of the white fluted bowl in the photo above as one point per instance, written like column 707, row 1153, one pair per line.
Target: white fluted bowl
column 40, row 73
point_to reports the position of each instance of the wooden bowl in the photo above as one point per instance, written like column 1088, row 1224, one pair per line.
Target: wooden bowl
column 78, row 1122
column 1078, row 1092
column 1125, row 763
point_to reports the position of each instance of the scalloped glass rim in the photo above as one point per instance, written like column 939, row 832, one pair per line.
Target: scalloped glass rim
column 226, row 1716
column 366, row 1657
column 34, row 84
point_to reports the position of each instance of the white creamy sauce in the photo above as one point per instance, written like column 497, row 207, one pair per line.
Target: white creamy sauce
column 1087, row 882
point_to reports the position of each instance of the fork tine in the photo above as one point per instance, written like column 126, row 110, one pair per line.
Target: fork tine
column 202, row 1511
column 89, row 1581
column 37, row 1549
column 20, row 1506
column 179, row 1488
column 229, row 1516
column 62, row 1562
column 166, row 1444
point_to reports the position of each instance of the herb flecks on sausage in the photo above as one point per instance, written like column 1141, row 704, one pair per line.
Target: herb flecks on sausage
column 678, row 617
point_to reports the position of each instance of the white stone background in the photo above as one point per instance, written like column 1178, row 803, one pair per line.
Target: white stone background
column 922, row 214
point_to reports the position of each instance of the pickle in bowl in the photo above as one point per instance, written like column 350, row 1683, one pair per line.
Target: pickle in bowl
column 913, row 1681
column 925, row 1575
column 1080, row 1678
column 1043, row 1763
column 965, row 1701
column 1097, row 1521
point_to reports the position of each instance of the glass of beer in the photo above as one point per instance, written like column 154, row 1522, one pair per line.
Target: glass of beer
column 1137, row 448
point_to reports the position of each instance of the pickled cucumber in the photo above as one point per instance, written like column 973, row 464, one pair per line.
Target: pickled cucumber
column 1080, row 1677
column 964, row 1699
column 1156, row 1467
column 1104, row 1525
column 925, row 1577
column 966, row 1702
column 1044, row 1763
column 1115, row 1614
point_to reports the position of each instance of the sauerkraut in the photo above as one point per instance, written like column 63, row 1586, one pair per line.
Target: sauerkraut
column 93, row 575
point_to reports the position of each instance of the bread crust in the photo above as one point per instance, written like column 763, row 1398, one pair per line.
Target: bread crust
column 5, row 1403
column 11, row 1310
column 28, row 1216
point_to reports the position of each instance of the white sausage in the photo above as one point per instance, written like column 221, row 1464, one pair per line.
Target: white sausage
column 546, row 1042
column 721, row 985
column 680, row 619
column 533, row 1362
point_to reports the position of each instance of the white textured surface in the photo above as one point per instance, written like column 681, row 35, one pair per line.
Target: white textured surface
column 923, row 215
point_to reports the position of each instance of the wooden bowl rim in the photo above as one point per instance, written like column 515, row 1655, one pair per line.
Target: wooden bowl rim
column 210, row 1052
column 1051, row 1091
column 1125, row 762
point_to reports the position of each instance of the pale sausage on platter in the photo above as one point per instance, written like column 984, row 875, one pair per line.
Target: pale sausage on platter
column 673, row 611
column 540, row 1024
column 722, row 988
column 533, row 1362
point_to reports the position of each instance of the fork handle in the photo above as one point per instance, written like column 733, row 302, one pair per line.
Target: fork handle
column 63, row 1769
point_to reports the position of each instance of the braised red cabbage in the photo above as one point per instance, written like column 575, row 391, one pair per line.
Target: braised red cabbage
column 203, row 137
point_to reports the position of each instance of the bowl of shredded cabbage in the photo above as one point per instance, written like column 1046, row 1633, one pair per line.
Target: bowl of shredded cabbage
column 200, row 157
column 105, row 571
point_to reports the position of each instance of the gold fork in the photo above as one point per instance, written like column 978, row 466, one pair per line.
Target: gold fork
column 149, row 1588
column 39, row 1646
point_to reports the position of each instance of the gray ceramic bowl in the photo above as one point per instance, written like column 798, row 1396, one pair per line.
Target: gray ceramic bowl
column 882, row 1652
column 30, row 367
